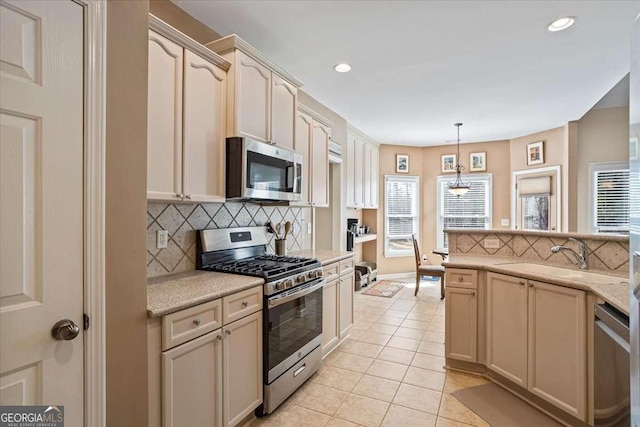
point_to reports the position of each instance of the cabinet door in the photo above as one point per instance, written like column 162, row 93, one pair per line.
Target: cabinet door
column 304, row 126
column 358, row 173
column 253, row 98
column 192, row 383
column 320, row 165
column 345, row 317
column 164, row 119
column 351, row 173
column 242, row 362
column 375, row 171
column 330, row 327
column 461, row 324
column 204, row 130
column 558, row 346
column 507, row 327
column 366, row 181
column 284, row 101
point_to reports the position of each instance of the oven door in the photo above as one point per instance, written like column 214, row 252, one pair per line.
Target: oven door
column 293, row 327
column 272, row 172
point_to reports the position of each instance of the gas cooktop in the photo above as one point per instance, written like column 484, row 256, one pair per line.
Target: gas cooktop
column 266, row 266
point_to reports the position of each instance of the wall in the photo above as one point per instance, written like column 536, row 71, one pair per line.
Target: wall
column 178, row 18
column 553, row 149
column 126, row 159
column 182, row 221
column 603, row 136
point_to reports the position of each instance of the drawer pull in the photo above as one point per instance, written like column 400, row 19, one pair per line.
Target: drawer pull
column 228, row 332
column 219, row 337
column 196, row 322
column 460, row 279
column 299, row 370
column 521, row 283
column 531, row 285
column 245, row 304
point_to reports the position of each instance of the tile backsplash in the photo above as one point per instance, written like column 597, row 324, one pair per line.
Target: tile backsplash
column 182, row 220
column 605, row 252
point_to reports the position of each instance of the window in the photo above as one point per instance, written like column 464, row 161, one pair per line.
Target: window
column 472, row 210
column 610, row 197
column 401, row 214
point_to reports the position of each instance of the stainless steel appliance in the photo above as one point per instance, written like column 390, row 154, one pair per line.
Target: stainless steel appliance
column 256, row 170
column 292, row 315
column 611, row 368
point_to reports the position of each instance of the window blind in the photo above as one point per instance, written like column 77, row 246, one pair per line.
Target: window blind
column 402, row 201
column 611, row 201
column 471, row 210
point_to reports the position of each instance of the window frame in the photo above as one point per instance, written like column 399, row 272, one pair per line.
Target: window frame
column 443, row 179
column 604, row 167
column 388, row 253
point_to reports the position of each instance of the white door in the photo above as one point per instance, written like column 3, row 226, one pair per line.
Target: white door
column 41, row 209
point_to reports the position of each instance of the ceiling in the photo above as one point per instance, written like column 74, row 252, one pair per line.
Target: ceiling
column 420, row 66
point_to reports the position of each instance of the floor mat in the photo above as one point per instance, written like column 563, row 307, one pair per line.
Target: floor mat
column 385, row 288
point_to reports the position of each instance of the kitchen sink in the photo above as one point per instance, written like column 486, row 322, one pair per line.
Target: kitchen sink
column 584, row 276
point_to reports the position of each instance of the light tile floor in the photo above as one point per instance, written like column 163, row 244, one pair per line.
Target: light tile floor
column 388, row 373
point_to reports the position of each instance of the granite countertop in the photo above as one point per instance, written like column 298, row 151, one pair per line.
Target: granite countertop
column 325, row 256
column 174, row 292
column 615, row 293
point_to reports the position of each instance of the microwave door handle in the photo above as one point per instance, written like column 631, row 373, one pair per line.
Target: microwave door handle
column 279, row 301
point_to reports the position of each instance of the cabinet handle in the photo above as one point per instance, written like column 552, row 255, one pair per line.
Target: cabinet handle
column 228, row 332
column 219, row 337
column 473, row 294
column 521, row 283
column 245, row 304
column 460, row 279
column 196, row 322
column 531, row 285
column 179, row 195
column 189, row 196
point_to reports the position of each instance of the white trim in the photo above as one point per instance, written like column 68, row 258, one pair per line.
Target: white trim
column 395, row 276
column 406, row 178
column 514, row 178
column 354, row 130
column 315, row 115
column 598, row 167
column 161, row 27
column 94, row 211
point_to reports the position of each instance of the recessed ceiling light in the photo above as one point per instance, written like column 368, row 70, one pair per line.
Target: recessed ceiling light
column 562, row 23
column 342, row 68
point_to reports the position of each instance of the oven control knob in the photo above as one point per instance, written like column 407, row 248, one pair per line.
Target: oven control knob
column 280, row 286
column 289, row 283
column 300, row 279
column 318, row 273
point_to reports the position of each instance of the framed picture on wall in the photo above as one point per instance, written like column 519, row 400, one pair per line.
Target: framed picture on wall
column 402, row 163
column 535, row 153
column 478, row 162
column 448, row 163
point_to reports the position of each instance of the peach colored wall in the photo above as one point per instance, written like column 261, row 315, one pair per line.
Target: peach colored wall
column 553, row 149
column 178, row 18
column 126, row 205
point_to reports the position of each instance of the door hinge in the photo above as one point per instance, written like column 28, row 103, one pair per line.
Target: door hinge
column 85, row 321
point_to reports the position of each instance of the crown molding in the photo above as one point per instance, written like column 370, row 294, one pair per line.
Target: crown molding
column 161, row 27
column 317, row 116
column 352, row 129
column 233, row 41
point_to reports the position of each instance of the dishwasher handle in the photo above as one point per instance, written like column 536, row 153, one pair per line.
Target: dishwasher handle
column 614, row 321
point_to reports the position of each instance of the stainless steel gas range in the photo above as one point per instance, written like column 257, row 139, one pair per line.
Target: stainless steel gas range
column 292, row 315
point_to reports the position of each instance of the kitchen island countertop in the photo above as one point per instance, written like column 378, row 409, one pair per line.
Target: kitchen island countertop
column 174, row 292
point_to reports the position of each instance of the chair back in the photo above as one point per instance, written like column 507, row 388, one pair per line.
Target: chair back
column 416, row 250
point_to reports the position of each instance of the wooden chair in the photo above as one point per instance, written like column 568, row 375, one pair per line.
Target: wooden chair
column 426, row 269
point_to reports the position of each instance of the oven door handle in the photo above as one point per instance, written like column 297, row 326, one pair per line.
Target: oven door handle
column 283, row 300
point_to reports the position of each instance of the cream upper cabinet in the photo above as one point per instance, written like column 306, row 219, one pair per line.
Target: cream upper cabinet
column 330, row 310
column 204, row 130
column 253, row 99
column 461, row 324
column 558, row 346
column 362, row 164
column 164, row 119
column 346, row 284
column 304, row 127
column 242, row 361
column 351, row 173
column 507, row 327
column 374, row 178
column 358, row 172
column 262, row 97
column 284, row 101
column 192, row 383
column 320, row 165
column 366, row 175
column 186, row 118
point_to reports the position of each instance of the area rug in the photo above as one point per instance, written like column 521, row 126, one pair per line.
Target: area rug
column 500, row 408
column 385, row 288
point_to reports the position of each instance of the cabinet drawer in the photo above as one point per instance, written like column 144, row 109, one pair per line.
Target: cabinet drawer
column 346, row 266
column 331, row 271
column 461, row 278
column 242, row 304
column 185, row 325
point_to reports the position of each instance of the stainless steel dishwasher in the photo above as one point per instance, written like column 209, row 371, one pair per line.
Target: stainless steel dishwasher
column 611, row 367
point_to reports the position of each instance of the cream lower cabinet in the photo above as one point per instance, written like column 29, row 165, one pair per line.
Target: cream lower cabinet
column 337, row 303
column 536, row 337
column 461, row 324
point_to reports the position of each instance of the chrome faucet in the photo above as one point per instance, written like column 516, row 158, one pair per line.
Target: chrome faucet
column 582, row 256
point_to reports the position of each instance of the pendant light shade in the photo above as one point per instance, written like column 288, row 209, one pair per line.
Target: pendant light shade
column 459, row 187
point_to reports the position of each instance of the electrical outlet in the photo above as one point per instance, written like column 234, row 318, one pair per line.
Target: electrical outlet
column 491, row 243
column 309, row 228
column 504, row 222
column 162, row 238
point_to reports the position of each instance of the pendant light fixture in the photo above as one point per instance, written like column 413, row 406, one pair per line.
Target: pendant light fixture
column 459, row 187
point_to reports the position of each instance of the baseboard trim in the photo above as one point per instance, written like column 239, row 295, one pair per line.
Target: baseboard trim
column 411, row 274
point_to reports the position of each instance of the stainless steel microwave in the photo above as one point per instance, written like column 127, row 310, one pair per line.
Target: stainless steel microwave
column 259, row 171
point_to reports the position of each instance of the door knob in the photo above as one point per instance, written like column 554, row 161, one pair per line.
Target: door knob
column 65, row 330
